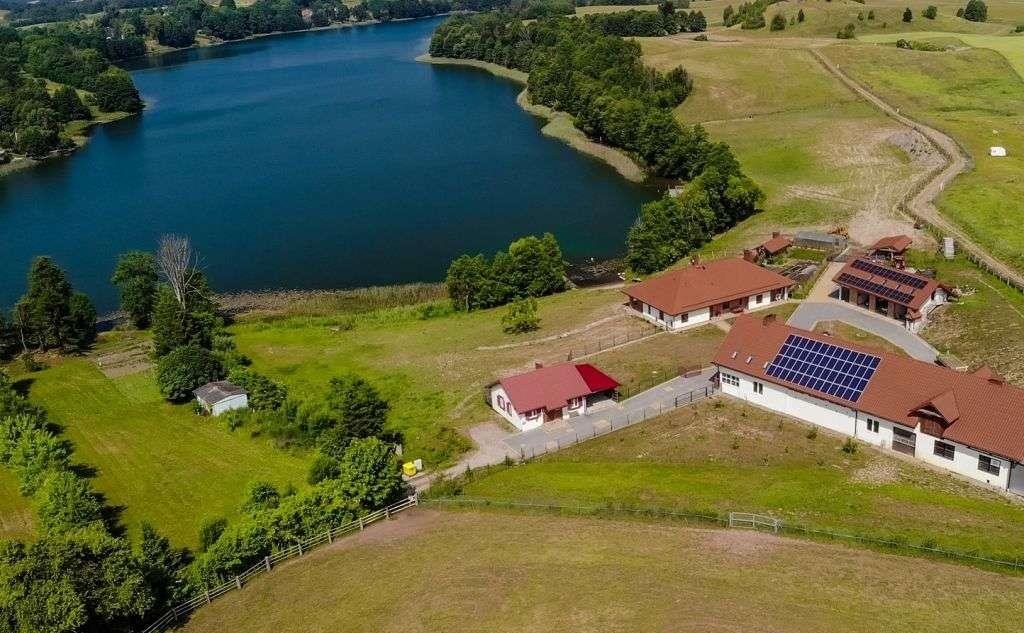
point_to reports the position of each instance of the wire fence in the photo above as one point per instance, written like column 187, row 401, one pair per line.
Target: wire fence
column 741, row 520
column 179, row 612
column 596, row 347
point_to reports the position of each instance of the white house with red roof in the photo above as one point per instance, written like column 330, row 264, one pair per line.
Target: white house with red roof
column 550, row 393
column 897, row 294
column 969, row 423
column 689, row 296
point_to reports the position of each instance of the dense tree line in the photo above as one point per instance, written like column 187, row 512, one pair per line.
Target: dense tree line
column 32, row 117
column 749, row 15
column 666, row 21
column 43, row 11
column 50, row 315
column 601, row 81
column 531, row 267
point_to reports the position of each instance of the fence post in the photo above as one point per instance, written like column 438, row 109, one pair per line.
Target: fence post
column 387, row 513
column 299, row 543
column 330, row 537
column 360, row 524
column 238, row 582
column 207, row 593
column 266, row 559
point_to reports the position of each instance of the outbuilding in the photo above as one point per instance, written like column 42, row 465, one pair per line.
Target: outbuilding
column 897, row 294
column 547, row 394
column 220, row 396
column 690, row 296
column 968, row 423
column 998, row 152
column 892, row 247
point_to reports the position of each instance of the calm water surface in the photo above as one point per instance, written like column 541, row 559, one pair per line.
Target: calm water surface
column 314, row 160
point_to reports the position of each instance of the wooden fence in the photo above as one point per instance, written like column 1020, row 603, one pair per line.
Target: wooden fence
column 179, row 612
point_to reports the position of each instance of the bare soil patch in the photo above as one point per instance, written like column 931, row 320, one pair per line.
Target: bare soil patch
column 131, row 357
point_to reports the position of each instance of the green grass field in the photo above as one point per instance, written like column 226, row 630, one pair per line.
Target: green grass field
column 724, row 456
column 464, row 571
column 822, row 156
column 16, row 518
column 158, row 462
column 976, row 97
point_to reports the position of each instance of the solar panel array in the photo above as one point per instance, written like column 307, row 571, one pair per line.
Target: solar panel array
column 875, row 288
column 889, row 273
column 823, row 367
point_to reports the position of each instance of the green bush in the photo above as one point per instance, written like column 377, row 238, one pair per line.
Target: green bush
column 65, row 501
column 521, row 317
column 184, row 369
column 847, row 32
column 778, row 22
column 908, row 15
column 930, row 12
column 210, row 530
column 264, row 393
column 976, row 11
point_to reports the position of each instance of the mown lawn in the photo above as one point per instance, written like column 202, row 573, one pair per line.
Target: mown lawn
column 857, row 335
column 156, row 461
column 975, row 96
column 464, row 571
column 16, row 518
column 724, row 456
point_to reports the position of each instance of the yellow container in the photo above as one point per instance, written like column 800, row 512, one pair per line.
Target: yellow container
column 408, row 469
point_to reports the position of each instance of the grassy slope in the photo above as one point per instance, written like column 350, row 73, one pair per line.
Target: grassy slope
column 448, row 571
column 724, row 456
column 975, row 96
column 16, row 519
column 815, row 149
column 160, row 462
column 430, row 370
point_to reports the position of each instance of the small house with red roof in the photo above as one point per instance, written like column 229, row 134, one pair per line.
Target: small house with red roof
column 968, row 423
column 897, row 294
column 689, row 296
column 778, row 243
column 550, row 393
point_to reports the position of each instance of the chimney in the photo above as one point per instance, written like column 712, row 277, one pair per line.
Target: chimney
column 769, row 319
column 750, row 255
column 776, row 234
column 538, row 365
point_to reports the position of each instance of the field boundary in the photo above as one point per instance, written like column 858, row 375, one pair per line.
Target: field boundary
column 919, row 202
column 179, row 612
column 894, row 544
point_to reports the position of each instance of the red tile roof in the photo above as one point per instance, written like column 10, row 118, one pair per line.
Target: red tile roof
column 894, row 243
column 701, row 285
column 918, row 295
column 777, row 244
column 552, row 387
column 977, row 411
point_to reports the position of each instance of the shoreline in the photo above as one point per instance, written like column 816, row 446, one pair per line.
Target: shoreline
column 559, row 124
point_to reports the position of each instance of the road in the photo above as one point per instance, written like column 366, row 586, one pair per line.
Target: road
column 921, row 204
column 809, row 314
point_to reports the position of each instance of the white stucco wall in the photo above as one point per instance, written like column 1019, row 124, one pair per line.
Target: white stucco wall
column 851, row 422
column 964, row 462
column 231, row 403
column 509, row 412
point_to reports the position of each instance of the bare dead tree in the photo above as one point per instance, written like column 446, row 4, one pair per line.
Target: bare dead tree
column 179, row 265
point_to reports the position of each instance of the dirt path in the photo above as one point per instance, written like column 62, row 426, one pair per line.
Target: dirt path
column 921, row 204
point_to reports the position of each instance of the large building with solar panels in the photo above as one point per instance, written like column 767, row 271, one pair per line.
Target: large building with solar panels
column 893, row 293
column 968, row 423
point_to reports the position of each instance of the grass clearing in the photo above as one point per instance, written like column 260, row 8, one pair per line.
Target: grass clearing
column 822, row 156
column 975, row 96
column 847, row 332
column 469, row 571
column 16, row 515
column 723, row 456
column 158, row 462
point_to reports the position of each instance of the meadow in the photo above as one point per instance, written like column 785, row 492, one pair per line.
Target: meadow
column 724, row 456
column 431, row 570
column 975, row 96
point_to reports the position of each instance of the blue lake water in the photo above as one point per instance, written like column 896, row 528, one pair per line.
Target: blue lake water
column 315, row 160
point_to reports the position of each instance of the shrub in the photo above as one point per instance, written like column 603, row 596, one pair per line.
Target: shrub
column 976, row 11
column 521, row 317
column 354, row 409
column 908, row 15
column 260, row 496
column 871, row 14
column 850, row 446
column 902, row 43
column 264, row 393
column 210, row 530
column 930, row 12
column 369, row 472
column 847, row 32
column 324, row 467
column 812, row 433
column 800, row 15
column 778, row 22
column 181, row 371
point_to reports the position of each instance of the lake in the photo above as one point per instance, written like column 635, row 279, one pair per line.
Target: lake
column 328, row 159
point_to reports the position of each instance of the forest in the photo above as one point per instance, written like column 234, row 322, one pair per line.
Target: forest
column 601, row 81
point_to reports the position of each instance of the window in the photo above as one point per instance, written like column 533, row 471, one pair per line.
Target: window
column 501, row 403
column 944, row 450
column 684, row 317
column 873, row 425
column 533, row 415
column 760, row 298
column 729, row 379
column 989, row 465
column 758, row 387
column 575, row 403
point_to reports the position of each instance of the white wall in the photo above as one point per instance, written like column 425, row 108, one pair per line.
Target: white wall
column 240, row 401
column 789, row 402
column 881, row 439
column 964, row 462
column 509, row 412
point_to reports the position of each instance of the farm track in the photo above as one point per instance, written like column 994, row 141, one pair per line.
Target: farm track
column 919, row 202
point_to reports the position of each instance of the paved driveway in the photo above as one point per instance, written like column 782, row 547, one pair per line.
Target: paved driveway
column 810, row 313
column 664, row 397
